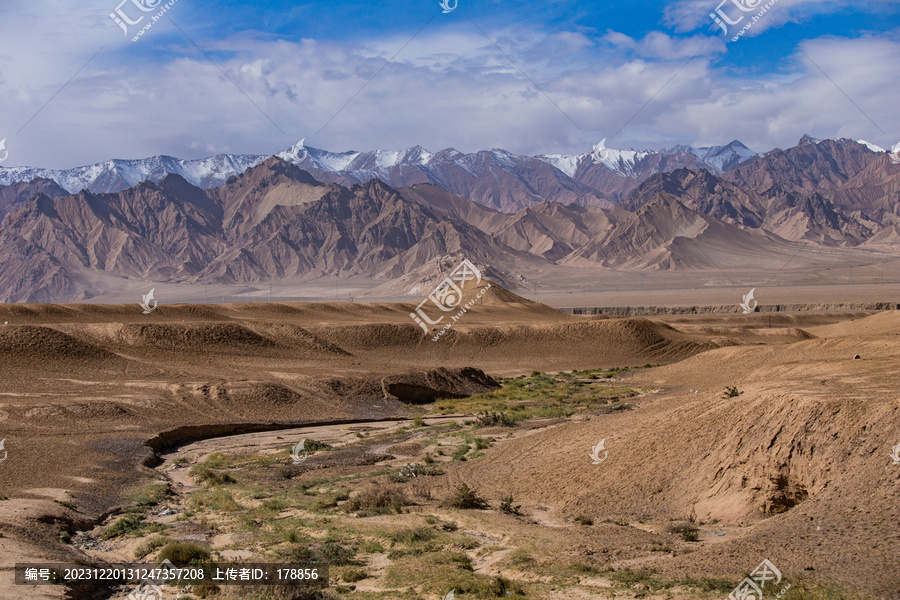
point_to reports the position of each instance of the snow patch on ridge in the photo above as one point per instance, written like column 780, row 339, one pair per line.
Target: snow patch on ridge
column 871, row 146
column 566, row 163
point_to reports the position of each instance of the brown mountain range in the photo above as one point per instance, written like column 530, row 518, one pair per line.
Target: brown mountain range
column 277, row 222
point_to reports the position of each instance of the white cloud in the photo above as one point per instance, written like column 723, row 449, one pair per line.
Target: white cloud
column 448, row 87
column 688, row 15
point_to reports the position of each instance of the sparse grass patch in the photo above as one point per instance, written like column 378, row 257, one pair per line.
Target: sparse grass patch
column 633, row 578
column 215, row 499
column 480, row 586
column 205, row 474
column 217, row 460
column 412, row 536
column 336, row 554
column 435, row 571
column 354, row 575
column 461, row 451
column 149, row 494
column 371, row 547
column 410, row 471
column 802, row 590
column 124, row 525
column 520, row 558
column 151, row 545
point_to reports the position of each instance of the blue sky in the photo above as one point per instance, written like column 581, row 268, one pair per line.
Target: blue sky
column 530, row 77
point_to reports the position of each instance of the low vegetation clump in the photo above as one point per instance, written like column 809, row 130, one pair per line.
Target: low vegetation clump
column 377, row 501
column 204, row 474
column 488, row 587
column 216, row 499
column 494, row 419
column 148, row 495
column 123, row 526
column 315, row 446
column 333, row 553
column 151, row 545
column 412, row 536
column 731, row 392
column 465, row 497
column 411, row 471
column 461, row 451
column 507, row 506
column 354, row 575
column 687, row 531
column 654, row 584
column 184, row 553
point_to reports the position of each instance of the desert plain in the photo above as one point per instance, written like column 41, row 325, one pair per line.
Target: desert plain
column 727, row 439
